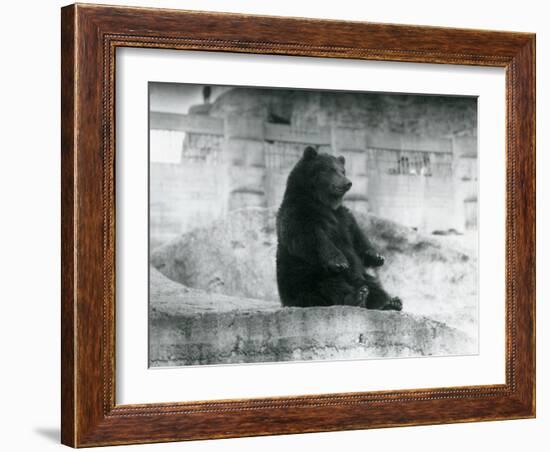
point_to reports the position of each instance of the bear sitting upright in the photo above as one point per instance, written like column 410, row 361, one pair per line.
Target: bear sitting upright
column 321, row 251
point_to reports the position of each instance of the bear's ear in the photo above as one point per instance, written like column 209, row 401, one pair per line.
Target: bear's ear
column 310, row 152
column 342, row 159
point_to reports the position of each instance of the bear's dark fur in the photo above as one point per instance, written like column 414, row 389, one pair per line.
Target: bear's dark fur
column 322, row 253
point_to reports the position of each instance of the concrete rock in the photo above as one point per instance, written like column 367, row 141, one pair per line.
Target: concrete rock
column 266, row 335
column 191, row 327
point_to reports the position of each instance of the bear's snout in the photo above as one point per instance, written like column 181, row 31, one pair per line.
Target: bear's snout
column 341, row 188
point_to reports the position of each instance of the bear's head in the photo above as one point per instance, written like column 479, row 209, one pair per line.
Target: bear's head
column 320, row 176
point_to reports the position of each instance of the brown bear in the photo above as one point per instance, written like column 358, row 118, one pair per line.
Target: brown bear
column 322, row 254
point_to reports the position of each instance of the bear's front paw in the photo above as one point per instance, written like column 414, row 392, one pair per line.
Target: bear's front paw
column 374, row 260
column 337, row 265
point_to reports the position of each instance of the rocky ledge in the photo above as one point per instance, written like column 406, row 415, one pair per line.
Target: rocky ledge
column 191, row 327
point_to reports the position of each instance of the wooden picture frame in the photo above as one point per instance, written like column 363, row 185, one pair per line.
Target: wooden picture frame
column 90, row 35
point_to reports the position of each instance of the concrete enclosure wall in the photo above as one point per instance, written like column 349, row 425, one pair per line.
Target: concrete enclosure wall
column 428, row 183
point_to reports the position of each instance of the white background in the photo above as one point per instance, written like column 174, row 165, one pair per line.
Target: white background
column 30, row 227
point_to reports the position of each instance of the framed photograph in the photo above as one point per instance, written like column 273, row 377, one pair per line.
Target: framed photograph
column 281, row 225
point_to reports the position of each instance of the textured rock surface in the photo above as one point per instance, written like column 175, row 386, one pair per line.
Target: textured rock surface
column 169, row 298
column 234, row 256
column 190, row 327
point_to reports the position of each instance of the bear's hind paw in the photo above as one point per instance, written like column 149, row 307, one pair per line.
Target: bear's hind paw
column 393, row 304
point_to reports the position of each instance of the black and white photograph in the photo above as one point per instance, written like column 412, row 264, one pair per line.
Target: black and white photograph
column 297, row 225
